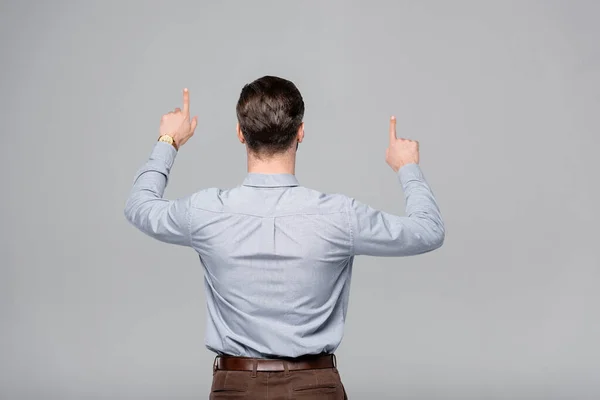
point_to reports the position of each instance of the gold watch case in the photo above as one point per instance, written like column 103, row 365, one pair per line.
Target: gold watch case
column 168, row 139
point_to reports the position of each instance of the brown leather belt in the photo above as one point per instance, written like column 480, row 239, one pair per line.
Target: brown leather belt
column 232, row 363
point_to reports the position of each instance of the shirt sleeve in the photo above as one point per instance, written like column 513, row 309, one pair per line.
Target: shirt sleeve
column 162, row 219
column 377, row 233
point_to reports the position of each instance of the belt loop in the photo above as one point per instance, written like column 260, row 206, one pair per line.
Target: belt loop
column 215, row 365
column 254, row 367
column 286, row 368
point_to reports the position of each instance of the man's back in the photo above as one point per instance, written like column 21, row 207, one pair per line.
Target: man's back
column 277, row 259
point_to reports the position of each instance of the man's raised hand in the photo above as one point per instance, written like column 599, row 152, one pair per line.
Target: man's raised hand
column 400, row 151
column 177, row 123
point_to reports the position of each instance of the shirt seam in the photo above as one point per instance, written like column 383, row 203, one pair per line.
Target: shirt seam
column 189, row 224
column 350, row 230
column 270, row 187
column 264, row 216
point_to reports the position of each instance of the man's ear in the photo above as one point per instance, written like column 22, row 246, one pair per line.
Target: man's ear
column 240, row 135
column 300, row 136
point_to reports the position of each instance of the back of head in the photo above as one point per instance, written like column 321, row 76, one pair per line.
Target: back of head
column 270, row 111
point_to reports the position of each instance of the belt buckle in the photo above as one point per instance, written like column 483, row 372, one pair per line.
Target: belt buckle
column 334, row 360
column 215, row 364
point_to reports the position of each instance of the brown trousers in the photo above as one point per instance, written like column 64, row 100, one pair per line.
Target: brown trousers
column 316, row 384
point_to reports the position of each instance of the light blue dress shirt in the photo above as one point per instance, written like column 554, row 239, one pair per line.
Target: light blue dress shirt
column 277, row 256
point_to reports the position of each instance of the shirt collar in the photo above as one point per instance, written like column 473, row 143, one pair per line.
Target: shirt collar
column 270, row 180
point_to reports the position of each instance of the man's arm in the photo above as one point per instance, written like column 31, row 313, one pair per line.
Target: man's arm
column 378, row 233
column 162, row 219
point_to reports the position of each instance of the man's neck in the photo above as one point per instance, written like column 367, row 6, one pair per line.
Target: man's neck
column 284, row 163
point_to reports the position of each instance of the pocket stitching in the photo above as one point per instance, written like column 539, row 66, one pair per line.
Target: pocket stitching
column 326, row 384
column 319, row 386
column 228, row 387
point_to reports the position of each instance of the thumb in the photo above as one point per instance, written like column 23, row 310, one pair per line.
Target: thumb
column 194, row 123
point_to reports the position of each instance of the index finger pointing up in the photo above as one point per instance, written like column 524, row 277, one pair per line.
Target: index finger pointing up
column 392, row 129
column 186, row 102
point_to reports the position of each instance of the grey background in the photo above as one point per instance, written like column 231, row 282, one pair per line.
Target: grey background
column 503, row 97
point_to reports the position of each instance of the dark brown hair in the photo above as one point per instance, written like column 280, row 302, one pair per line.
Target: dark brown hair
column 270, row 111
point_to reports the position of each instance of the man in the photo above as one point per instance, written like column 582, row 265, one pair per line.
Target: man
column 277, row 256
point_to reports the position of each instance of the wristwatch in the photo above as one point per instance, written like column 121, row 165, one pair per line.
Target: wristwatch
column 168, row 139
